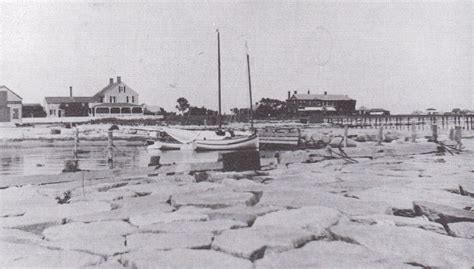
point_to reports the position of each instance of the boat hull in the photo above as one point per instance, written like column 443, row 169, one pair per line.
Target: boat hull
column 237, row 143
column 164, row 146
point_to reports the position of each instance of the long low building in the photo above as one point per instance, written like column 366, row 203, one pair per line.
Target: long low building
column 320, row 103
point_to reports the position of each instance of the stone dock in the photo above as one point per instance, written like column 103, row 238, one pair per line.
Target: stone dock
column 396, row 206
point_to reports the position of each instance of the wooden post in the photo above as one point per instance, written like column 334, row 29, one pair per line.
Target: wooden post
column 458, row 137
column 110, row 146
column 380, row 136
column 434, row 130
column 451, row 134
column 346, row 130
column 76, row 142
column 413, row 133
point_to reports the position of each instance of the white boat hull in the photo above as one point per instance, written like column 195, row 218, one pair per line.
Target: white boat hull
column 235, row 143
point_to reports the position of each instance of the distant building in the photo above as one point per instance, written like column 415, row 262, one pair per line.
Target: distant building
column 373, row 111
column 10, row 106
column 33, row 111
column 115, row 99
column 68, row 106
column 431, row 111
column 320, row 103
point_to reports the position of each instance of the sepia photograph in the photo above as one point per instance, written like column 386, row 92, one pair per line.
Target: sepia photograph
column 236, row 134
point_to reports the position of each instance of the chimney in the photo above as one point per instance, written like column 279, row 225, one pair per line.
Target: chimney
column 309, row 92
column 289, row 94
column 70, row 91
column 325, row 93
column 119, row 79
column 296, row 92
column 111, row 81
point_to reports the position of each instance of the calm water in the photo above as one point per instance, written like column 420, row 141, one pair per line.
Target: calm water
column 48, row 158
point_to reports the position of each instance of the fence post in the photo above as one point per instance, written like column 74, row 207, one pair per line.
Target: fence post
column 380, row 136
column 458, row 137
column 346, row 130
column 413, row 133
column 76, row 142
column 434, row 130
column 110, row 146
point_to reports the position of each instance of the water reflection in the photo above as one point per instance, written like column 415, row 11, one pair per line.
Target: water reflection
column 49, row 158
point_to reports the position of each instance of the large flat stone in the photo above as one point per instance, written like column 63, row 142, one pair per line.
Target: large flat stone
column 410, row 245
column 442, row 213
column 19, row 236
column 167, row 241
column 213, row 199
column 102, row 238
column 253, row 242
column 403, row 197
column 293, row 198
column 241, row 213
column 55, row 213
column 462, row 229
column 26, row 255
column 183, row 258
column 212, row 226
column 164, row 217
column 418, row 222
column 315, row 219
column 328, row 254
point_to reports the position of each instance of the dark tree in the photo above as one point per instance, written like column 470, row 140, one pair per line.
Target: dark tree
column 270, row 108
column 183, row 104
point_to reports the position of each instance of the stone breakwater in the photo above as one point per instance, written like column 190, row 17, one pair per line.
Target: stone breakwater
column 391, row 211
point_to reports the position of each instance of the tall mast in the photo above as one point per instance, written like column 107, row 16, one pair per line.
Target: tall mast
column 219, row 76
column 250, row 88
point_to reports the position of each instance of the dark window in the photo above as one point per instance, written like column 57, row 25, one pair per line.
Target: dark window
column 126, row 110
column 15, row 114
column 124, row 88
column 114, row 100
column 115, row 110
column 137, row 110
column 110, row 99
column 133, row 99
column 101, row 99
column 102, row 110
column 127, row 99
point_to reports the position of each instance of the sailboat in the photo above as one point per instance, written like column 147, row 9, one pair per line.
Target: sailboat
column 212, row 140
column 235, row 141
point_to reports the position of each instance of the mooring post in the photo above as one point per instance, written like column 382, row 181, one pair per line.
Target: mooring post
column 76, row 142
column 458, row 137
column 110, row 146
column 434, row 131
column 380, row 136
column 413, row 133
column 451, row 134
column 346, row 131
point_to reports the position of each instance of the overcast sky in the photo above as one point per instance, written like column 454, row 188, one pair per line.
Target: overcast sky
column 398, row 56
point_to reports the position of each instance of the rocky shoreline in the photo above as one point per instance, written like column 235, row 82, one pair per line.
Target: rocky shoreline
column 403, row 207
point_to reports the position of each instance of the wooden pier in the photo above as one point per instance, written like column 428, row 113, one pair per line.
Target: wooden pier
column 402, row 121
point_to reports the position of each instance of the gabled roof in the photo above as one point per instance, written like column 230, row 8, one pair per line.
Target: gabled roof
column 3, row 86
column 67, row 99
column 323, row 97
column 101, row 93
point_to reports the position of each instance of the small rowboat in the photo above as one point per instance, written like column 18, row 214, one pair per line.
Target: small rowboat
column 158, row 145
column 242, row 142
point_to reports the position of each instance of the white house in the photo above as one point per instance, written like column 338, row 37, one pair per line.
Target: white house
column 117, row 98
column 10, row 106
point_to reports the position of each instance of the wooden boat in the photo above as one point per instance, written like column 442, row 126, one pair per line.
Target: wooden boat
column 158, row 145
column 234, row 143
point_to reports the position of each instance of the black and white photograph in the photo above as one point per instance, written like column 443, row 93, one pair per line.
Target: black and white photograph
column 236, row 134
